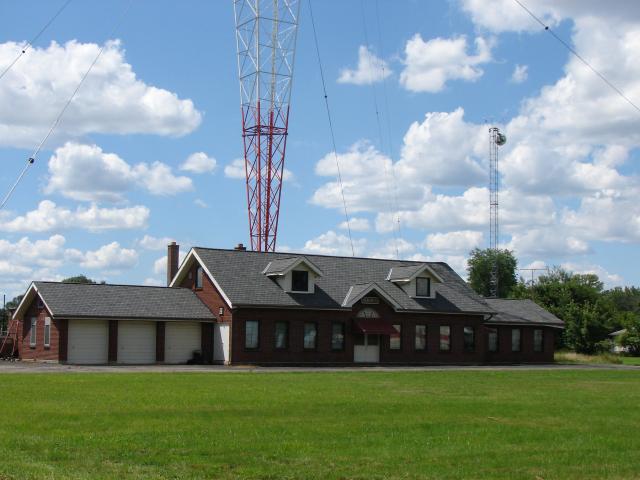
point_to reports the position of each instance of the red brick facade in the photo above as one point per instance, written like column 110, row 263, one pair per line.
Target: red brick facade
column 57, row 347
column 266, row 353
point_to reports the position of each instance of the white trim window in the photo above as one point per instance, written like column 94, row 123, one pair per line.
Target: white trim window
column 33, row 335
column 395, row 341
column 538, row 340
column 493, row 340
column 310, row 335
column 516, row 340
column 199, row 277
column 47, row 332
column 423, row 287
column 299, row 281
column 251, row 334
column 421, row 337
column 445, row 338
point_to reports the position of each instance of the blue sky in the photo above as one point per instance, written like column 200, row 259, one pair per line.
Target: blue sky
column 112, row 185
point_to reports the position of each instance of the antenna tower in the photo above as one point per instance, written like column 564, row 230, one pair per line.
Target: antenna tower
column 266, row 32
column 496, row 139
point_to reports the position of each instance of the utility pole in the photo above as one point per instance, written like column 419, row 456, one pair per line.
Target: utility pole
column 496, row 139
column 533, row 270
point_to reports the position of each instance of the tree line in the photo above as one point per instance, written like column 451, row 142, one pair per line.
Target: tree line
column 590, row 311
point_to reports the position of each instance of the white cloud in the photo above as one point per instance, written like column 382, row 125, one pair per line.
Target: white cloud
column 111, row 257
column 547, row 241
column 610, row 280
column 444, row 150
column 236, row 170
column 520, row 74
column 332, row 243
column 456, row 242
column 199, row 162
column 49, row 217
column 507, row 16
column 429, row 65
column 371, row 69
column 394, row 248
column 356, row 225
column 150, row 242
column 200, row 203
column 86, row 172
column 160, row 265
column 112, row 100
column 158, row 179
column 26, row 260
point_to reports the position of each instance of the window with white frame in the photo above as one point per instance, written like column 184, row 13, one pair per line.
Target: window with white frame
column 469, row 339
column 423, row 287
column 395, row 341
column 445, row 338
column 32, row 333
column 300, row 281
column 310, row 335
column 282, row 335
column 538, row 340
column 492, row 337
column 251, row 334
column 421, row 337
column 337, row 336
column 199, row 277
column 516, row 343
column 47, row 332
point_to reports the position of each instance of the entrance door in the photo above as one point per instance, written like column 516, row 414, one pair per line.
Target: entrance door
column 366, row 348
column 221, row 343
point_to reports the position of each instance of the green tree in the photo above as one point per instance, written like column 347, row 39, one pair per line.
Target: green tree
column 631, row 338
column 5, row 312
column 479, row 268
column 577, row 299
column 78, row 279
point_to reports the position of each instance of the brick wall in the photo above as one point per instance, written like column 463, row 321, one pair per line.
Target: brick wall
column 208, row 294
column 266, row 353
column 39, row 351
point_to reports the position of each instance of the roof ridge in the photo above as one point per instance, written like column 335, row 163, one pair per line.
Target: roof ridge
column 109, row 285
column 413, row 262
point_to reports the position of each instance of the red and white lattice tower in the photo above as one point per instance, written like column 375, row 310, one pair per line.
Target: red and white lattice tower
column 266, row 32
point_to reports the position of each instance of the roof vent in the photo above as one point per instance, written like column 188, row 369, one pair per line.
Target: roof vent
column 240, row 248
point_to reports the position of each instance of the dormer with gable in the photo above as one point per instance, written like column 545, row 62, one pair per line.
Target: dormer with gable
column 417, row 281
column 294, row 274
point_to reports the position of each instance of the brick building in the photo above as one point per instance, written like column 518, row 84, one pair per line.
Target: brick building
column 285, row 308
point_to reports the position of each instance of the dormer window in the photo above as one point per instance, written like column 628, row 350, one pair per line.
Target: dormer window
column 300, row 281
column 415, row 279
column 293, row 274
column 423, row 287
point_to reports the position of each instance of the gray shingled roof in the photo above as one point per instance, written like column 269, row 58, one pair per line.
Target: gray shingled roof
column 403, row 272
column 239, row 274
column 521, row 311
column 72, row 300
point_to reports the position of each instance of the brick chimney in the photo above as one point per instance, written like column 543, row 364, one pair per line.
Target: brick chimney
column 173, row 253
column 240, row 247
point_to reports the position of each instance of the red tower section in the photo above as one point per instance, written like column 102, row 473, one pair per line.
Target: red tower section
column 266, row 33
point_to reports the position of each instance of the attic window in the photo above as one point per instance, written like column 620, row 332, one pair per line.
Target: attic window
column 199, row 277
column 300, row 281
column 423, row 287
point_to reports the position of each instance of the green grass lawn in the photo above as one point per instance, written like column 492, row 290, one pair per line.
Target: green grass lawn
column 441, row 424
column 631, row 360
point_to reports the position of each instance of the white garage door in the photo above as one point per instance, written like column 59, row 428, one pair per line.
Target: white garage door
column 88, row 341
column 221, row 343
column 136, row 342
column 180, row 341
